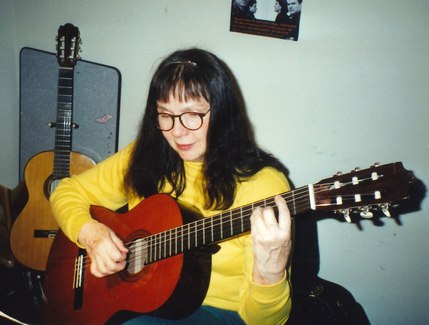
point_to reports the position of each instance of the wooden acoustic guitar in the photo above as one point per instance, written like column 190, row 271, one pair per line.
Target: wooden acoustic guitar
column 33, row 231
column 169, row 263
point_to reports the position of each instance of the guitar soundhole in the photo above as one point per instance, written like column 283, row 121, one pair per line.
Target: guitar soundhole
column 137, row 257
column 50, row 185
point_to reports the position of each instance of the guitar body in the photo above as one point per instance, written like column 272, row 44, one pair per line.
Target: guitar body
column 36, row 217
column 171, row 288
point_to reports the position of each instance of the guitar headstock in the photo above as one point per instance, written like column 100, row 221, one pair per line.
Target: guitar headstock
column 68, row 45
column 373, row 188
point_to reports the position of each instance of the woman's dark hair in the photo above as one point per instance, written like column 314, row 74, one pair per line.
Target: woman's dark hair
column 283, row 5
column 230, row 154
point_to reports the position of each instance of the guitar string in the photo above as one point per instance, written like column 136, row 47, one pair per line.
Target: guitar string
column 153, row 241
column 198, row 227
column 193, row 229
column 297, row 195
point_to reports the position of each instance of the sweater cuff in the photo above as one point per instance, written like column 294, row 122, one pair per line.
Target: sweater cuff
column 79, row 225
column 271, row 292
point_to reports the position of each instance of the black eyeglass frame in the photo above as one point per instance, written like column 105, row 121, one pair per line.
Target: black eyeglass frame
column 173, row 117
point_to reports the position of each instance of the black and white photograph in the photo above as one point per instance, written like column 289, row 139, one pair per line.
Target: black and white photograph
column 278, row 19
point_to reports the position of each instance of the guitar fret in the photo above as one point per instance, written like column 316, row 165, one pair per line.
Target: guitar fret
column 230, row 221
column 155, row 247
column 204, row 232
column 165, row 245
column 293, row 201
column 152, row 250
column 170, row 241
column 211, row 228
column 221, row 226
column 181, row 242
column 160, row 247
column 241, row 219
column 189, row 237
column 176, row 242
column 196, row 234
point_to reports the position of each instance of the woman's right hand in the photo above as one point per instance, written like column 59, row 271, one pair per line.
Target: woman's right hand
column 107, row 252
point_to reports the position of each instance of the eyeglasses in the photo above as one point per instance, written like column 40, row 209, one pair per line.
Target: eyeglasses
column 190, row 120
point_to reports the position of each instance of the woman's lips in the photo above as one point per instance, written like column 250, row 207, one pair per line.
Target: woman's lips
column 184, row 147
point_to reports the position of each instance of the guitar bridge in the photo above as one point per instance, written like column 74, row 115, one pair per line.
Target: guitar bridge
column 79, row 278
column 38, row 233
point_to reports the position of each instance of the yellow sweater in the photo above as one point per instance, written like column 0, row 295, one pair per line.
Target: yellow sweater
column 231, row 286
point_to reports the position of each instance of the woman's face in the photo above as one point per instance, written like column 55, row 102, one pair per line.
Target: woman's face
column 277, row 7
column 190, row 145
column 253, row 8
column 242, row 3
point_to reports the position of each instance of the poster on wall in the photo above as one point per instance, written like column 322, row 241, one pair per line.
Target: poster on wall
column 270, row 18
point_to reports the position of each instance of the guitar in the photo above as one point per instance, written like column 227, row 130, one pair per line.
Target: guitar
column 169, row 265
column 33, row 231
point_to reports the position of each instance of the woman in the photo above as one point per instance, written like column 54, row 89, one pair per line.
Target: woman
column 193, row 144
column 253, row 7
column 240, row 9
column 281, row 7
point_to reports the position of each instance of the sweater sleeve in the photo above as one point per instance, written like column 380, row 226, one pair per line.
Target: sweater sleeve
column 101, row 185
column 264, row 304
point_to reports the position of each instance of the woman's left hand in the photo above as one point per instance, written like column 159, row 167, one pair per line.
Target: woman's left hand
column 271, row 242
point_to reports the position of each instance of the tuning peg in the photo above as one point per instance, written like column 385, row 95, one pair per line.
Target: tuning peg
column 346, row 214
column 338, row 174
column 377, row 164
column 385, row 208
column 365, row 213
column 356, row 169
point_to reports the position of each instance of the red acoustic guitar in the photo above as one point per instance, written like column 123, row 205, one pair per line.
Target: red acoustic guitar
column 33, row 231
column 168, row 270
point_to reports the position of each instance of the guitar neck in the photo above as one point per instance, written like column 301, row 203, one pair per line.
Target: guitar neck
column 218, row 228
column 63, row 132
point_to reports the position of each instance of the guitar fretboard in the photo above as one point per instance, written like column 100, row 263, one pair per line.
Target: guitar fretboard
column 63, row 124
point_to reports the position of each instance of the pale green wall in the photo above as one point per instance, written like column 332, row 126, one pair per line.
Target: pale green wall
column 9, row 96
column 352, row 91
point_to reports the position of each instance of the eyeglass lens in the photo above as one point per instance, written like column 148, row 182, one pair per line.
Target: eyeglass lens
column 191, row 121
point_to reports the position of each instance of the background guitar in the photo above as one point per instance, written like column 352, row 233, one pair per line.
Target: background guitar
column 167, row 272
column 33, row 231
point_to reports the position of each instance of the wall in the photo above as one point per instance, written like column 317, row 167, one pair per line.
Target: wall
column 350, row 92
column 9, row 90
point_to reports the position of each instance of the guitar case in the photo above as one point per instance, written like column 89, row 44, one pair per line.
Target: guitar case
column 11, row 204
column 96, row 101
column 316, row 301
column 6, row 257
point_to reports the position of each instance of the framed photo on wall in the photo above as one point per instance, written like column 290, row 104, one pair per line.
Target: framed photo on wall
column 270, row 18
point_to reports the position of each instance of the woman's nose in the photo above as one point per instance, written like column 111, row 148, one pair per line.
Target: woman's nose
column 179, row 130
